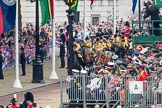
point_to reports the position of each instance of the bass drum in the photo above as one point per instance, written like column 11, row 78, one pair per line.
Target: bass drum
column 89, row 57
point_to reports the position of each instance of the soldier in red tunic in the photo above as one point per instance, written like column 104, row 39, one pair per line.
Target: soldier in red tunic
column 126, row 30
column 142, row 74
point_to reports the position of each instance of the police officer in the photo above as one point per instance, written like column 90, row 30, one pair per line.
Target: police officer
column 23, row 62
column 62, row 36
column 62, row 54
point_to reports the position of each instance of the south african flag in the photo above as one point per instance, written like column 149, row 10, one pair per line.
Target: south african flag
column 47, row 9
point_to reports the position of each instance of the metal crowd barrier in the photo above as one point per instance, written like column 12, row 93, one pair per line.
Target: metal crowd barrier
column 86, row 90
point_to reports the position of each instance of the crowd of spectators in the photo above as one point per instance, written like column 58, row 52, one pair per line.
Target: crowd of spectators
column 26, row 41
column 131, row 63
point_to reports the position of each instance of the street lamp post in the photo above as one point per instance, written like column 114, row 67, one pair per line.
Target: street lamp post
column 37, row 63
column 70, row 30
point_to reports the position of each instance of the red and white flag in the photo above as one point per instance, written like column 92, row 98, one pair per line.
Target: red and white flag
column 92, row 1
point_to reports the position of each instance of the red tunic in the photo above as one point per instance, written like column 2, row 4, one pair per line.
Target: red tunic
column 30, row 106
column 15, row 106
column 126, row 32
column 143, row 76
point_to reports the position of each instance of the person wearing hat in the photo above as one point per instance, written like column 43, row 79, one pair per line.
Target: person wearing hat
column 128, row 58
column 108, row 44
column 142, row 75
column 87, row 43
column 127, row 30
column 62, row 36
column 28, row 100
column 75, row 72
column 75, row 90
column 122, row 70
column 115, row 57
column 100, row 85
column 106, row 73
column 105, row 79
column 62, row 54
column 23, row 62
column 98, row 45
column 102, row 40
column 108, row 68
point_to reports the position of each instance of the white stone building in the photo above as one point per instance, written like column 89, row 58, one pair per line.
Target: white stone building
column 100, row 11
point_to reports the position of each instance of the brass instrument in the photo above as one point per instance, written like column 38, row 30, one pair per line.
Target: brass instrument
column 88, row 44
column 109, row 44
column 98, row 46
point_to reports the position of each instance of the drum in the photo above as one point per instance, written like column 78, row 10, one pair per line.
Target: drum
column 88, row 57
column 102, row 58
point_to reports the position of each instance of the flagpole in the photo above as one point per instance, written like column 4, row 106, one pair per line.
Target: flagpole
column 53, row 74
column 114, row 16
column 139, row 16
column 84, row 19
column 17, row 83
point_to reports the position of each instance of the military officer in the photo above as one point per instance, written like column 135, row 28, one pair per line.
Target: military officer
column 74, row 90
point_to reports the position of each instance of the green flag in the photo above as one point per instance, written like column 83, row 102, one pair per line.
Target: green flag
column 75, row 6
column 47, row 10
column 158, row 2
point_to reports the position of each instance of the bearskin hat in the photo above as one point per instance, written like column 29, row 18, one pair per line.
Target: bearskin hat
column 29, row 97
column 127, row 23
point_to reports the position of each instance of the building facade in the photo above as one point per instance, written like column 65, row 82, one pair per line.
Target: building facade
column 102, row 10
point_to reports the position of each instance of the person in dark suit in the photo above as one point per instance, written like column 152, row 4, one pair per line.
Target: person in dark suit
column 1, row 61
column 153, row 11
column 62, row 36
column 62, row 54
column 23, row 62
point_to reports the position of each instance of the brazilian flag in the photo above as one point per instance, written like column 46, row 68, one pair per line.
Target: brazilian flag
column 75, row 6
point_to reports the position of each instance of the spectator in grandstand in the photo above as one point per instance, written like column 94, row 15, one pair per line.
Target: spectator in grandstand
column 153, row 11
column 23, row 62
column 1, row 62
